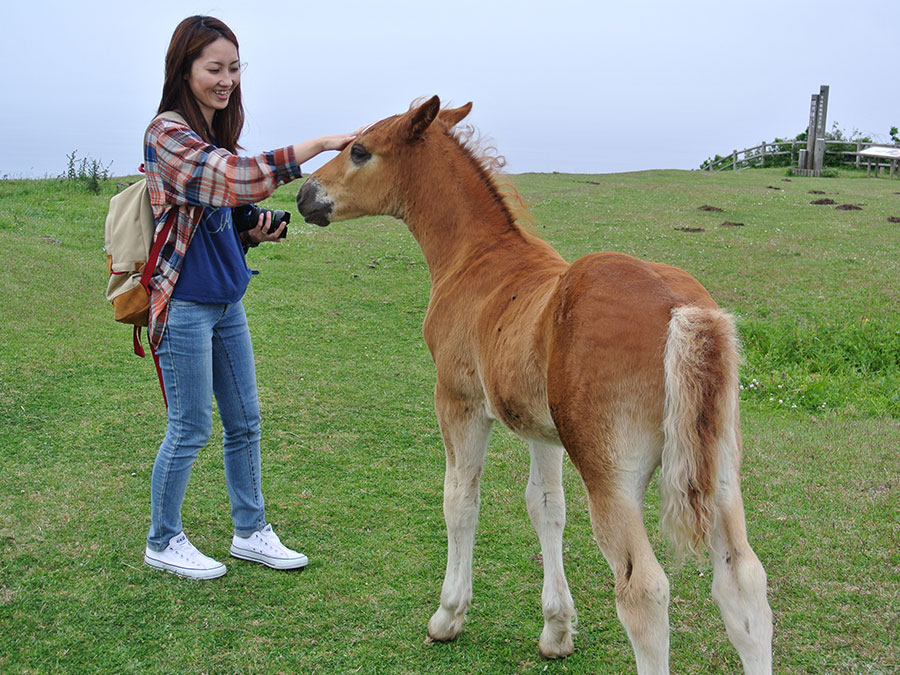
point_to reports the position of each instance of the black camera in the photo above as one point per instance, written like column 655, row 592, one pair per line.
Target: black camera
column 246, row 218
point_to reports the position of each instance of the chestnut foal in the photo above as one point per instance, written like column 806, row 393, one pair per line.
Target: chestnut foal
column 626, row 364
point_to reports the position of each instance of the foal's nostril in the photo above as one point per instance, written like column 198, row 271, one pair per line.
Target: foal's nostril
column 312, row 206
column 304, row 197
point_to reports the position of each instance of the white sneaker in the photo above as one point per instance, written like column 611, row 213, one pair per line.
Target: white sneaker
column 265, row 547
column 182, row 558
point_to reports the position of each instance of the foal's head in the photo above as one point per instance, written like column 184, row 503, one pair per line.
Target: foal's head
column 370, row 175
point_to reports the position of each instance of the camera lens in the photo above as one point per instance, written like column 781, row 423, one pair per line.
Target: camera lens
column 246, row 218
column 277, row 218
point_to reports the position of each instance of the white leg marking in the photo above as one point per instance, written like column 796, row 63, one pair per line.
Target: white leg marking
column 739, row 589
column 465, row 439
column 642, row 589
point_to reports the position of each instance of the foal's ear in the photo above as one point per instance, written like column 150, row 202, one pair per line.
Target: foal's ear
column 422, row 117
column 453, row 116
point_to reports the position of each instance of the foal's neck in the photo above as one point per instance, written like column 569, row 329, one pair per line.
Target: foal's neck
column 457, row 215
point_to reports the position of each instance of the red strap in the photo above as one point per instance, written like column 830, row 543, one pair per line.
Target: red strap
column 138, row 349
column 158, row 243
column 149, row 269
column 159, row 375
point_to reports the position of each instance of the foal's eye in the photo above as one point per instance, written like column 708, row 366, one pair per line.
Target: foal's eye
column 359, row 154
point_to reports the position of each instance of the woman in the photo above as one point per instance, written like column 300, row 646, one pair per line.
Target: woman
column 197, row 323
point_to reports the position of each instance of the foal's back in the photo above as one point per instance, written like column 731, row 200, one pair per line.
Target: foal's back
column 610, row 318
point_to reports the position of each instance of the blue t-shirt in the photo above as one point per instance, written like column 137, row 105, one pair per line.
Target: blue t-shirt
column 214, row 268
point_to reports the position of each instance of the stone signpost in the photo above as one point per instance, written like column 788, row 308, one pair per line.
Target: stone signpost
column 813, row 157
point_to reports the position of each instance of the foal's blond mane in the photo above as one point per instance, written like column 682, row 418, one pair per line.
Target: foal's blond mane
column 488, row 165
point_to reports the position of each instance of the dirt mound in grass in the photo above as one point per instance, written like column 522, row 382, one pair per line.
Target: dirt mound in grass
column 848, row 207
column 707, row 207
column 823, row 201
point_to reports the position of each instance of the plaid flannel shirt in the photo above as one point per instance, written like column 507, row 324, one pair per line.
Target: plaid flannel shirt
column 184, row 174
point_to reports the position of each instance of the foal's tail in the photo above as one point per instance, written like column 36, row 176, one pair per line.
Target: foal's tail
column 701, row 452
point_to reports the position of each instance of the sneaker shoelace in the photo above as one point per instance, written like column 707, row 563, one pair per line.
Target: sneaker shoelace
column 269, row 539
column 185, row 549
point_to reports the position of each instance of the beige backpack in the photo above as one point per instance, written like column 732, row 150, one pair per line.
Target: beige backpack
column 131, row 252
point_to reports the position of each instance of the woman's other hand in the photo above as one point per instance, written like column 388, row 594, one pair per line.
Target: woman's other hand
column 261, row 233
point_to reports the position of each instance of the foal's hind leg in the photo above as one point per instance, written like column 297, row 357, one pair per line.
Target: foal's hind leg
column 616, row 489
column 642, row 589
column 465, row 429
column 739, row 583
column 547, row 509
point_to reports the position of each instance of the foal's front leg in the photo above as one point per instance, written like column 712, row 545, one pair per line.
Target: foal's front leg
column 465, row 428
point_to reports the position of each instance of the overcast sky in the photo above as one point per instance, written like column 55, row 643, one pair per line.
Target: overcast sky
column 574, row 86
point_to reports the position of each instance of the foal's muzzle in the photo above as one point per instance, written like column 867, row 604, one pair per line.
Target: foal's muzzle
column 313, row 205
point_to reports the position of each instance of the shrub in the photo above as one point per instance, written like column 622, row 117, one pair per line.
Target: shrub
column 86, row 172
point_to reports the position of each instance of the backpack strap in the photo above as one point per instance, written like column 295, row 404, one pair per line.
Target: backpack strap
column 170, row 115
column 150, row 267
column 159, row 375
column 158, row 242
column 136, row 337
column 139, row 350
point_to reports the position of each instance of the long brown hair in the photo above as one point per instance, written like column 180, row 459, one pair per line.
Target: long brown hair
column 189, row 40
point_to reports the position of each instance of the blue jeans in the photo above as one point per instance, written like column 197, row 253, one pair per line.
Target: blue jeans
column 206, row 350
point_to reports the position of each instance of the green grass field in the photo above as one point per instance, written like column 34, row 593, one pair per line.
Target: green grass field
column 353, row 461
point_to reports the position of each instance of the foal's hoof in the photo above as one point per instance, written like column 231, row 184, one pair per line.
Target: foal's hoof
column 443, row 626
column 558, row 653
column 430, row 639
column 556, row 648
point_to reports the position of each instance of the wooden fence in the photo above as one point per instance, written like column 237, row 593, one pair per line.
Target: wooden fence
column 756, row 156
